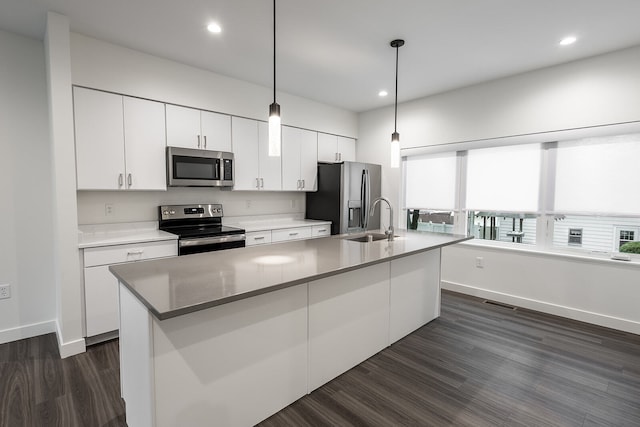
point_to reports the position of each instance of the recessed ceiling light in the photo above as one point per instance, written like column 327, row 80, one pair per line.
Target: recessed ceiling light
column 383, row 93
column 568, row 40
column 214, row 28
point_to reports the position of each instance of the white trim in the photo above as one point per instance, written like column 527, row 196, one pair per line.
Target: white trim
column 545, row 307
column 535, row 250
column 69, row 348
column 27, row 331
column 540, row 137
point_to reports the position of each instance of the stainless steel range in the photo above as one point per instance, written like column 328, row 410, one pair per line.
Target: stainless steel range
column 199, row 228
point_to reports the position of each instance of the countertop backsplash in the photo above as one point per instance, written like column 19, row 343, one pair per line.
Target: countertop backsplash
column 140, row 206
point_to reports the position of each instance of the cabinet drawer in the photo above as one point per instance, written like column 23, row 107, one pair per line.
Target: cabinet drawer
column 131, row 252
column 321, row 230
column 258, row 238
column 290, row 234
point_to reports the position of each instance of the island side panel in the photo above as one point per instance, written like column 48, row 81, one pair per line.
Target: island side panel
column 415, row 293
column 348, row 321
column 232, row 365
column 136, row 361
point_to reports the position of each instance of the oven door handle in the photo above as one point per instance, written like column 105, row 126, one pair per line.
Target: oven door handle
column 199, row 241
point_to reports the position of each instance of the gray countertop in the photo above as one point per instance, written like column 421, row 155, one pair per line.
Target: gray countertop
column 172, row 287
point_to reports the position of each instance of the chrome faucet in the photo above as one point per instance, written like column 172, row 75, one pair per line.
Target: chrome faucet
column 389, row 231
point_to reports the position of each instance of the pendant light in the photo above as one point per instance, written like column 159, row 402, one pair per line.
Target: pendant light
column 274, row 109
column 395, row 136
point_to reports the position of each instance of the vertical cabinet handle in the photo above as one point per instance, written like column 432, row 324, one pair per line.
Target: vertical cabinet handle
column 261, row 182
column 340, row 156
column 303, row 183
column 129, row 180
column 198, row 141
column 205, row 142
column 120, row 180
column 336, row 157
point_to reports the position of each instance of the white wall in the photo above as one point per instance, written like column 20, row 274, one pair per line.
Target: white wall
column 69, row 297
column 132, row 206
column 602, row 292
column 591, row 92
column 105, row 66
column 26, row 245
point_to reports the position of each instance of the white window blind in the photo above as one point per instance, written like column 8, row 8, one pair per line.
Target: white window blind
column 504, row 179
column 431, row 181
column 598, row 175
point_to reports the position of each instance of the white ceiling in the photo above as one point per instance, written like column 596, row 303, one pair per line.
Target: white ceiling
column 337, row 51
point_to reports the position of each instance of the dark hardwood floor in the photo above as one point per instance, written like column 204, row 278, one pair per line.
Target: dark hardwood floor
column 477, row 365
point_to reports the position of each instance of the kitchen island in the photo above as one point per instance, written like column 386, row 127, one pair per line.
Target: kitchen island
column 231, row 337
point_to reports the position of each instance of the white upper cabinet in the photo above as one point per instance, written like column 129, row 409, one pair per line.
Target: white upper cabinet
column 144, row 144
column 120, row 142
column 99, row 132
column 192, row 128
column 255, row 170
column 333, row 149
column 270, row 166
column 346, row 149
column 299, row 159
column 244, row 133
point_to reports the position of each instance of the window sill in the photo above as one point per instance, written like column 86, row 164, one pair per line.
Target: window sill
column 604, row 258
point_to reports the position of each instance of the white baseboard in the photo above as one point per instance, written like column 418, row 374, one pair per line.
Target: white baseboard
column 69, row 348
column 547, row 307
column 27, row 331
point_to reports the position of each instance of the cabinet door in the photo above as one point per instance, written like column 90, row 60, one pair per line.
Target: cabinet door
column 327, row 148
column 144, row 142
column 101, row 300
column 245, row 150
column 270, row 166
column 309, row 160
column 99, row 133
column 183, row 127
column 346, row 149
column 291, row 140
column 216, row 131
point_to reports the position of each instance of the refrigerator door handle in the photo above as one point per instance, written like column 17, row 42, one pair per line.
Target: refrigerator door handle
column 363, row 204
column 367, row 199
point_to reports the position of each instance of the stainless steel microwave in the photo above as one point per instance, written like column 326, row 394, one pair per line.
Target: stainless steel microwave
column 187, row 167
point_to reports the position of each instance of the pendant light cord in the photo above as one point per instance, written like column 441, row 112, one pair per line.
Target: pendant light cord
column 395, row 120
column 274, row 51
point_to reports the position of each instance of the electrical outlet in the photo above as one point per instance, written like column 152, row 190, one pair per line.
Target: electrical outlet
column 479, row 262
column 108, row 209
column 5, row 291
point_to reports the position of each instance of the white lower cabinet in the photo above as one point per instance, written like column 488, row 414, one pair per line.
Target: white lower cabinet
column 258, row 238
column 286, row 234
column 348, row 321
column 321, row 230
column 101, row 287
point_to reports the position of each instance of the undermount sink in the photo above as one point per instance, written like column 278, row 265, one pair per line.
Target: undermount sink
column 365, row 238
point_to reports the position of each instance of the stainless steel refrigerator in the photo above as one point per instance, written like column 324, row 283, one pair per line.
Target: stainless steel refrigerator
column 344, row 196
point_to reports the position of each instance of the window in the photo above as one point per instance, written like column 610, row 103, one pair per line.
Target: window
column 430, row 192
column 576, row 194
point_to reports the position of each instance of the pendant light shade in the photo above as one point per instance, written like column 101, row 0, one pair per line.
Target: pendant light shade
column 275, row 137
column 395, row 136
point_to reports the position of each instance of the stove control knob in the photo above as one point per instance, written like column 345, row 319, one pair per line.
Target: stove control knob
column 172, row 212
column 165, row 212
